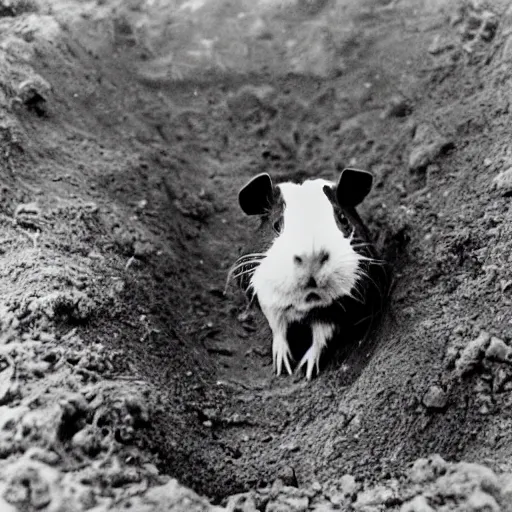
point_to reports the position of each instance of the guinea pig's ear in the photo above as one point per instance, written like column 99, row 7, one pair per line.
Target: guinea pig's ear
column 353, row 186
column 256, row 196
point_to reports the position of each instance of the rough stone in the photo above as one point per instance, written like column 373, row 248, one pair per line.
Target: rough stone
column 503, row 182
column 426, row 469
column 378, row 495
column 241, row 503
column 480, row 501
column 288, row 477
column 427, row 144
column 348, row 485
column 472, row 354
column 435, row 398
column 499, row 350
column 418, row 504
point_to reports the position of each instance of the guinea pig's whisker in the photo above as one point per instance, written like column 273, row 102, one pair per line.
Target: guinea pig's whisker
column 366, row 276
column 363, row 258
column 359, row 297
column 361, row 320
column 239, row 264
column 249, row 256
column 371, row 260
column 243, row 265
column 340, row 304
column 358, row 240
column 237, row 272
column 350, row 258
column 244, row 272
column 239, row 268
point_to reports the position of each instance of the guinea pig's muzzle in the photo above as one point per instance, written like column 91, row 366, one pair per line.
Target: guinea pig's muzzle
column 312, row 297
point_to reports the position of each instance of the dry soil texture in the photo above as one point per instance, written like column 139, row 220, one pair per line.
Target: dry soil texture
column 126, row 130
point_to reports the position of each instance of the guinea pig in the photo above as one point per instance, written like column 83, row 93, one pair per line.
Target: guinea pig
column 315, row 274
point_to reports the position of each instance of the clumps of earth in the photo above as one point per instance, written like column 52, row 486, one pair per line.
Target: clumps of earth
column 64, row 432
column 430, row 484
column 130, row 378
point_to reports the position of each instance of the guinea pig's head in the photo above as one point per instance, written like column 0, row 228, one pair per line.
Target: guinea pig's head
column 308, row 258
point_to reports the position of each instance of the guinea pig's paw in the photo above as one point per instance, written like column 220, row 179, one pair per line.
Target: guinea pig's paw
column 281, row 354
column 312, row 360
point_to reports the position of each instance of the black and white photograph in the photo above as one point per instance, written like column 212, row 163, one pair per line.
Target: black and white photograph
column 255, row 256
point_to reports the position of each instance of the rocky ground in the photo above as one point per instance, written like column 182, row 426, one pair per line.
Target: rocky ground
column 128, row 379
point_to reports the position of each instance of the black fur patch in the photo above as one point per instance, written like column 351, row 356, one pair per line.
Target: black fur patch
column 350, row 224
column 272, row 221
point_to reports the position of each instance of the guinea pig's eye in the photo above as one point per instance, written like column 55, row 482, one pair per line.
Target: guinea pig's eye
column 344, row 221
column 278, row 225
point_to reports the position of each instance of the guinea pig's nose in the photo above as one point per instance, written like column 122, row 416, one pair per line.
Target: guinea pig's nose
column 317, row 257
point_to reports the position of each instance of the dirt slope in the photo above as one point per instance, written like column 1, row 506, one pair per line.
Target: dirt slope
column 126, row 129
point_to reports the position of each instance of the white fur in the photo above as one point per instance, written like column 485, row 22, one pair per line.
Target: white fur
column 309, row 230
column 321, row 335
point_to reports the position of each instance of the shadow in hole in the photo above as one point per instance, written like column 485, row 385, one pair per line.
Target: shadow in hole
column 357, row 341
